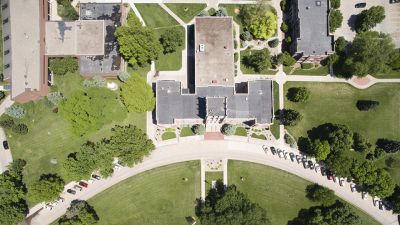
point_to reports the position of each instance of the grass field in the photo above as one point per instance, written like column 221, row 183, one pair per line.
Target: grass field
column 49, row 136
column 391, row 74
column 233, row 10
column 158, row 196
column 249, row 70
column 168, row 135
column 280, row 193
column 259, row 136
column 319, row 71
column 156, row 17
column 275, row 126
column 241, row 131
column 187, row 131
column 213, row 176
column 186, row 11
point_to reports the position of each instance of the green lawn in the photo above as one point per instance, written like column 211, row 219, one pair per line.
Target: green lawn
column 287, row 69
column 241, row 131
column 168, row 135
column 280, row 193
column 275, row 126
column 210, row 176
column 391, row 74
column 259, row 136
column 187, row 131
column 249, row 70
column 319, row 71
column 233, row 10
column 159, row 196
column 142, row 71
column 186, row 11
column 156, row 17
column 49, row 135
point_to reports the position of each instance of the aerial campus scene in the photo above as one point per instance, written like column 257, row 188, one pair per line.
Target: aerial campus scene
column 213, row 112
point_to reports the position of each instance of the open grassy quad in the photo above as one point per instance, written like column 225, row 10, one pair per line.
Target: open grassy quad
column 159, row 196
column 156, row 17
column 49, row 139
column 280, row 193
column 186, row 11
column 233, row 10
column 319, row 71
column 391, row 74
column 249, row 70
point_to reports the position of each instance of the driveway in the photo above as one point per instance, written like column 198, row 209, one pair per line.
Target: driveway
column 390, row 25
column 212, row 149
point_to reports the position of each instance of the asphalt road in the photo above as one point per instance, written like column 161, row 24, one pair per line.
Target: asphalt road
column 5, row 155
column 212, row 149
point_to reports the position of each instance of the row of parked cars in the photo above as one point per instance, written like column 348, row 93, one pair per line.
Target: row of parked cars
column 309, row 164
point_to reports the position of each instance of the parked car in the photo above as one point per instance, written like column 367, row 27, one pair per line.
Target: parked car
column 91, row 181
column 317, row 167
column 70, row 191
column 5, row 145
column 323, row 171
column 273, row 150
column 265, row 148
column 375, row 202
column 60, row 199
column 381, row 205
column 335, row 178
column 77, row 187
column 305, row 164
column 388, row 206
column 353, row 187
column 342, row 182
column 48, row 207
column 394, row 1
column 117, row 167
column 329, row 175
column 292, row 156
column 285, row 154
column 361, row 5
column 83, row 184
column 280, row 153
column 311, row 165
column 97, row 177
column 364, row 195
column 298, row 158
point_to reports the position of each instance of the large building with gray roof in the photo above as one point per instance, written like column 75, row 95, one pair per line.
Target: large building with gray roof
column 216, row 97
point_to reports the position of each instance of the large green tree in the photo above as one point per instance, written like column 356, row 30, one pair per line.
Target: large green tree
column 79, row 213
column 137, row 95
column 298, row 94
column 369, row 18
column 259, row 19
column 137, row 44
column 289, row 117
column 317, row 193
column 171, row 39
column 226, row 205
column 320, row 149
column 47, row 188
column 259, row 60
column 335, row 20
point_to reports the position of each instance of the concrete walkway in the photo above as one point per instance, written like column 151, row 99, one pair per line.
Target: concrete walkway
column 213, row 149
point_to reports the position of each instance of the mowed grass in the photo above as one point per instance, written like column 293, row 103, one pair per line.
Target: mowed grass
column 168, row 135
column 318, row 71
column 186, row 12
column 187, row 131
column 250, row 70
column 280, row 193
column 158, row 196
column 275, row 126
column 234, row 11
column 241, row 131
column 50, row 139
column 156, row 17
column 213, row 176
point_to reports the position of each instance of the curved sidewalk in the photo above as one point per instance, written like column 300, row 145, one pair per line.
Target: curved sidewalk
column 214, row 149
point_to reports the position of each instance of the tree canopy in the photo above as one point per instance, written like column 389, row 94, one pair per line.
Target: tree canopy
column 298, row 94
column 259, row 20
column 289, row 117
column 137, row 95
column 229, row 206
column 79, row 213
column 317, row 193
column 259, row 60
column 47, row 188
column 320, row 149
column 137, row 44
column 171, row 39
column 369, row 18
column 335, row 20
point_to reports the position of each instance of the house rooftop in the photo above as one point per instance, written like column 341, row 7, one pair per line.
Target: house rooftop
column 314, row 37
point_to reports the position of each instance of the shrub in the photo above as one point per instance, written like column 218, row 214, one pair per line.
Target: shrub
column 258, row 60
column 203, row 13
column 289, row 117
column 199, row 129
column 246, row 36
column 137, row 86
column 307, row 66
column 235, row 44
column 235, row 57
column 228, row 129
column 15, row 111
column 124, row 76
column 61, row 66
column 340, row 44
column 55, row 97
column 361, row 144
column 273, row 43
column 335, row 4
column 66, row 10
column 277, row 59
column 221, row 12
column 94, row 82
column 20, row 129
column 2, row 95
column 298, row 94
column 390, row 146
column 285, row 5
column 288, row 60
column 289, row 140
column 335, row 20
column 7, row 123
column 288, row 40
column 284, row 27
column 365, row 105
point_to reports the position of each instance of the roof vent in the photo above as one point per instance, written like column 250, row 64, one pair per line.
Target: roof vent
column 202, row 47
column 318, row 3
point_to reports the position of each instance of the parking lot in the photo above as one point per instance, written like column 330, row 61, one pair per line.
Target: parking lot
column 390, row 25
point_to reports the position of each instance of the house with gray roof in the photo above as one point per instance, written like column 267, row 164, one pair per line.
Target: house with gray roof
column 311, row 39
column 216, row 98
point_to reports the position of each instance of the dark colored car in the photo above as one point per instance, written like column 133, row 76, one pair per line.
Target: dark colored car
column 273, row 150
column 5, row 145
column 292, row 156
column 72, row 192
column 298, row 158
column 361, row 5
column 323, row 171
column 394, row 1
column 311, row 165
column 97, row 177
column 83, row 184
column 305, row 165
column 329, row 175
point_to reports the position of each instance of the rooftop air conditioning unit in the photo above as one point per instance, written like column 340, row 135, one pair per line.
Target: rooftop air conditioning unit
column 202, row 47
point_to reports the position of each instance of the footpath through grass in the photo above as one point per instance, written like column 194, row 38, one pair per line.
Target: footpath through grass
column 186, row 11
column 280, row 193
column 159, row 196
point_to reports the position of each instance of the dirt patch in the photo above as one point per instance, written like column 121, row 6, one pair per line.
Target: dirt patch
column 237, row 10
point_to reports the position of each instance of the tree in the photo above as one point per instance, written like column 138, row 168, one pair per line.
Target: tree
column 284, row 27
column 288, row 60
column 2, row 95
column 370, row 53
column 229, row 206
column 289, row 117
column 259, row 60
column 317, row 193
column 340, row 45
column 259, row 20
column 360, row 143
column 221, row 12
column 20, row 129
column 228, row 129
column 15, row 111
column 335, row 4
column 389, row 146
column 365, row 105
column 138, row 44
column 395, row 62
column 298, row 94
column 171, row 39
column 124, row 76
column 273, row 43
column 320, row 149
column 335, row 20
column 130, row 144
column 47, row 188
column 395, row 200
column 199, row 129
column 339, row 136
column 61, row 66
column 137, row 95
column 340, row 164
column 79, row 213
column 7, row 123
column 369, row 18
column 66, row 10
column 246, row 36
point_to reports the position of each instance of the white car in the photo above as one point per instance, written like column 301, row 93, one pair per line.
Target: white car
column 116, row 167
column 353, row 187
column 342, row 182
column 91, row 181
column 364, row 195
column 317, row 167
column 280, row 153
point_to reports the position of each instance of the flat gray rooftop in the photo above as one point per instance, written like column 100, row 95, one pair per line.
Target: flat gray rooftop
column 214, row 65
column 313, row 16
column 111, row 61
column 256, row 104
